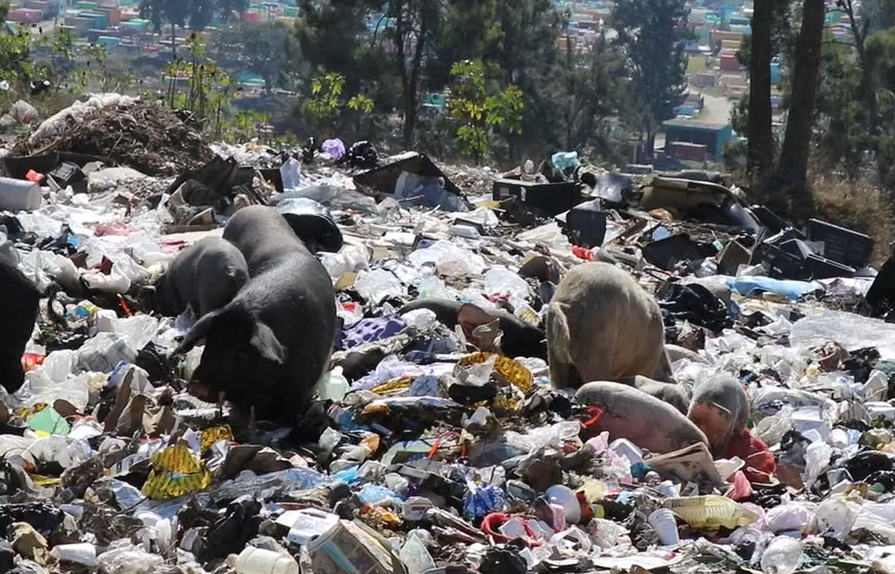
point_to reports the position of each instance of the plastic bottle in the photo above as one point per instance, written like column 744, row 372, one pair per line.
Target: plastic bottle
column 259, row 561
column 333, row 386
column 782, row 556
column 711, row 512
column 83, row 553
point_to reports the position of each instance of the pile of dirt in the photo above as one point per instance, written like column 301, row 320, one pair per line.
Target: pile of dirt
column 145, row 136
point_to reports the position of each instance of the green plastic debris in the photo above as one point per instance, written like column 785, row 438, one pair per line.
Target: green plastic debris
column 49, row 421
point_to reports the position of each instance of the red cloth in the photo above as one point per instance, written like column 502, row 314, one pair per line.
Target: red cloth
column 760, row 462
column 742, row 488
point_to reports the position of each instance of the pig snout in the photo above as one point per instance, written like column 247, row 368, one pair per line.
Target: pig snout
column 715, row 423
column 720, row 408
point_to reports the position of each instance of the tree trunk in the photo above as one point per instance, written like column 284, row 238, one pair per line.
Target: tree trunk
column 792, row 170
column 760, row 158
column 411, row 91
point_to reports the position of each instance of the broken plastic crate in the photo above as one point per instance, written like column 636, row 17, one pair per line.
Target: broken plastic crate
column 840, row 244
column 552, row 198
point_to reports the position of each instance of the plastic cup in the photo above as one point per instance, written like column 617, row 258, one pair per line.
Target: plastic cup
column 664, row 523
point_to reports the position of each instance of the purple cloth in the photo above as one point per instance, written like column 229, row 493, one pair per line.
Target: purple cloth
column 368, row 331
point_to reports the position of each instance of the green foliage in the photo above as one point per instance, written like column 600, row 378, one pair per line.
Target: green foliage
column 326, row 93
column 327, row 105
column 210, row 88
column 244, row 125
column 361, row 103
column 15, row 55
column 481, row 112
column 97, row 55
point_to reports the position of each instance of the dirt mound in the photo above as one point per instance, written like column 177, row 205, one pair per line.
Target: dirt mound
column 144, row 135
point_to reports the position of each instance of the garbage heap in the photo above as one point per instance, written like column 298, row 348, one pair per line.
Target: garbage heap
column 423, row 454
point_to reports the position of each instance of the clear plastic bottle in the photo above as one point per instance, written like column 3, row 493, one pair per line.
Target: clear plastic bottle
column 782, row 556
column 259, row 561
column 711, row 512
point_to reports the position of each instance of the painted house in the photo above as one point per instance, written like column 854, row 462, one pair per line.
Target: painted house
column 712, row 136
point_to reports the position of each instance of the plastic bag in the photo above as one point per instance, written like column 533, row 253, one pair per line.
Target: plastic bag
column 792, row 516
column 376, row 286
column 128, row 560
column 817, row 460
column 449, row 259
column 290, row 171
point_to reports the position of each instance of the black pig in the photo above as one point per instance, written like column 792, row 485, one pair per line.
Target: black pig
column 268, row 347
column 206, row 276
column 21, row 299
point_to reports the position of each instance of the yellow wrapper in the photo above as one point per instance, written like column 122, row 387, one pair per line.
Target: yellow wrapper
column 40, row 480
column 213, row 435
column 175, row 472
column 511, row 370
column 393, row 386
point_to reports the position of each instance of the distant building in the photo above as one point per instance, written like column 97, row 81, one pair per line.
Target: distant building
column 696, row 133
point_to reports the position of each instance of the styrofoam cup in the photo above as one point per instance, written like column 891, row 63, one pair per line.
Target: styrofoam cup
column 664, row 523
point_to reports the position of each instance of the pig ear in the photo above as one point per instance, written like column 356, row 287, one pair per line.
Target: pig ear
column 470, row 316
column 198, row 332
column 266, row 343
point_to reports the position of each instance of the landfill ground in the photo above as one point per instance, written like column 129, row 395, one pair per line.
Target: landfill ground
column 738, row 413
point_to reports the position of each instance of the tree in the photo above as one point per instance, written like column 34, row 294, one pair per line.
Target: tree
column 845, row 134
column 651, row 35
column 334, row 37
column 760, row 153
column 517, row 42
column 879, row 14
column 415, row 25
column 793, row 196
column 881, row 62
column 198, row 13
column 268, row 49
column 586, row 94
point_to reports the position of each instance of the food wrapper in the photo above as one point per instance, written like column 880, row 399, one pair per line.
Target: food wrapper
column 213, row 435
column 509, row 369
column 175, row 472
column 393, row 386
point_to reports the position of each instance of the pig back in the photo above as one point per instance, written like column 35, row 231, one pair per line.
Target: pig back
column 615, row 327
column 644, row 420
column 263, row 236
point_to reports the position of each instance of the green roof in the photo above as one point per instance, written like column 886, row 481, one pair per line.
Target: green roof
column 695, row 125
